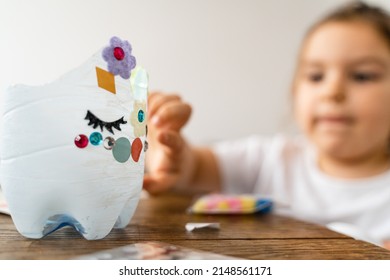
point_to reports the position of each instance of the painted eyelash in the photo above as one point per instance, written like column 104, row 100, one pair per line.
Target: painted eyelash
column 95, row 122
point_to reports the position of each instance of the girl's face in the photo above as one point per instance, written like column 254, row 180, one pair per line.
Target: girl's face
column 342, row 90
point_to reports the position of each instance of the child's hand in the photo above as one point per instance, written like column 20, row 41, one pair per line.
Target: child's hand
column 169, row 159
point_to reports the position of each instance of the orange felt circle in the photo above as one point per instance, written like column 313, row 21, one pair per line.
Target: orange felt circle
column 136, row 149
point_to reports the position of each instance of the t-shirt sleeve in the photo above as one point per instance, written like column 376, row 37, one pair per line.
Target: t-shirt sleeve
column 240, row 163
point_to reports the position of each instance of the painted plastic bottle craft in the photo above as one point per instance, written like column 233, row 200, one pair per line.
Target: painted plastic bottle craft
column 73, row 150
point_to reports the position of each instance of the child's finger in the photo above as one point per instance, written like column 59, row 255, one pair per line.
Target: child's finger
column 173, row 114
column 172, row 141
column 156, row 100
column 158, row 183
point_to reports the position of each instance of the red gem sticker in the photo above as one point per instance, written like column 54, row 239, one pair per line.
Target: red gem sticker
column 81, row 141
column 136, row 149
column 119, row 53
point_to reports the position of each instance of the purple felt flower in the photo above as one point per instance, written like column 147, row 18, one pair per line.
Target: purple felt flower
column 119, row 58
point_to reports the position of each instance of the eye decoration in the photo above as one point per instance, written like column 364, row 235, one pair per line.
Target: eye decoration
column 95, row 122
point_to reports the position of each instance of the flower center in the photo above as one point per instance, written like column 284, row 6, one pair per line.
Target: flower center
column 119, row 53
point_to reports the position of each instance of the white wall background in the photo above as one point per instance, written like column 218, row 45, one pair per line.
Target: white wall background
column 231, row 59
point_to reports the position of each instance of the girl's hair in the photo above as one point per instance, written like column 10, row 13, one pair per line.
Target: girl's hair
column 378, row 18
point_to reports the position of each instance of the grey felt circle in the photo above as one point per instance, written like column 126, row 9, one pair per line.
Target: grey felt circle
column 122, row 149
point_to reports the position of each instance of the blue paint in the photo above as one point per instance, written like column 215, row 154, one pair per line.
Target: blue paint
column 59, row 221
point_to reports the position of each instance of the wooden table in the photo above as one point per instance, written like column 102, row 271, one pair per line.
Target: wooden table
column 163, row 219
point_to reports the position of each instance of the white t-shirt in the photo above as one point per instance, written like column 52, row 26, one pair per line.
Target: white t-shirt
column 285, row 169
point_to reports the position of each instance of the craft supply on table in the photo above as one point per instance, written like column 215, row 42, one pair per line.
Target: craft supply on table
column 230, row 204
column 193, row 226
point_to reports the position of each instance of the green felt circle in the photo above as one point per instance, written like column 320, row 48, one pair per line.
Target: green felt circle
column 121, row 150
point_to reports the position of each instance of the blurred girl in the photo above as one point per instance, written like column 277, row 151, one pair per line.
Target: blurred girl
column 338, row 172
